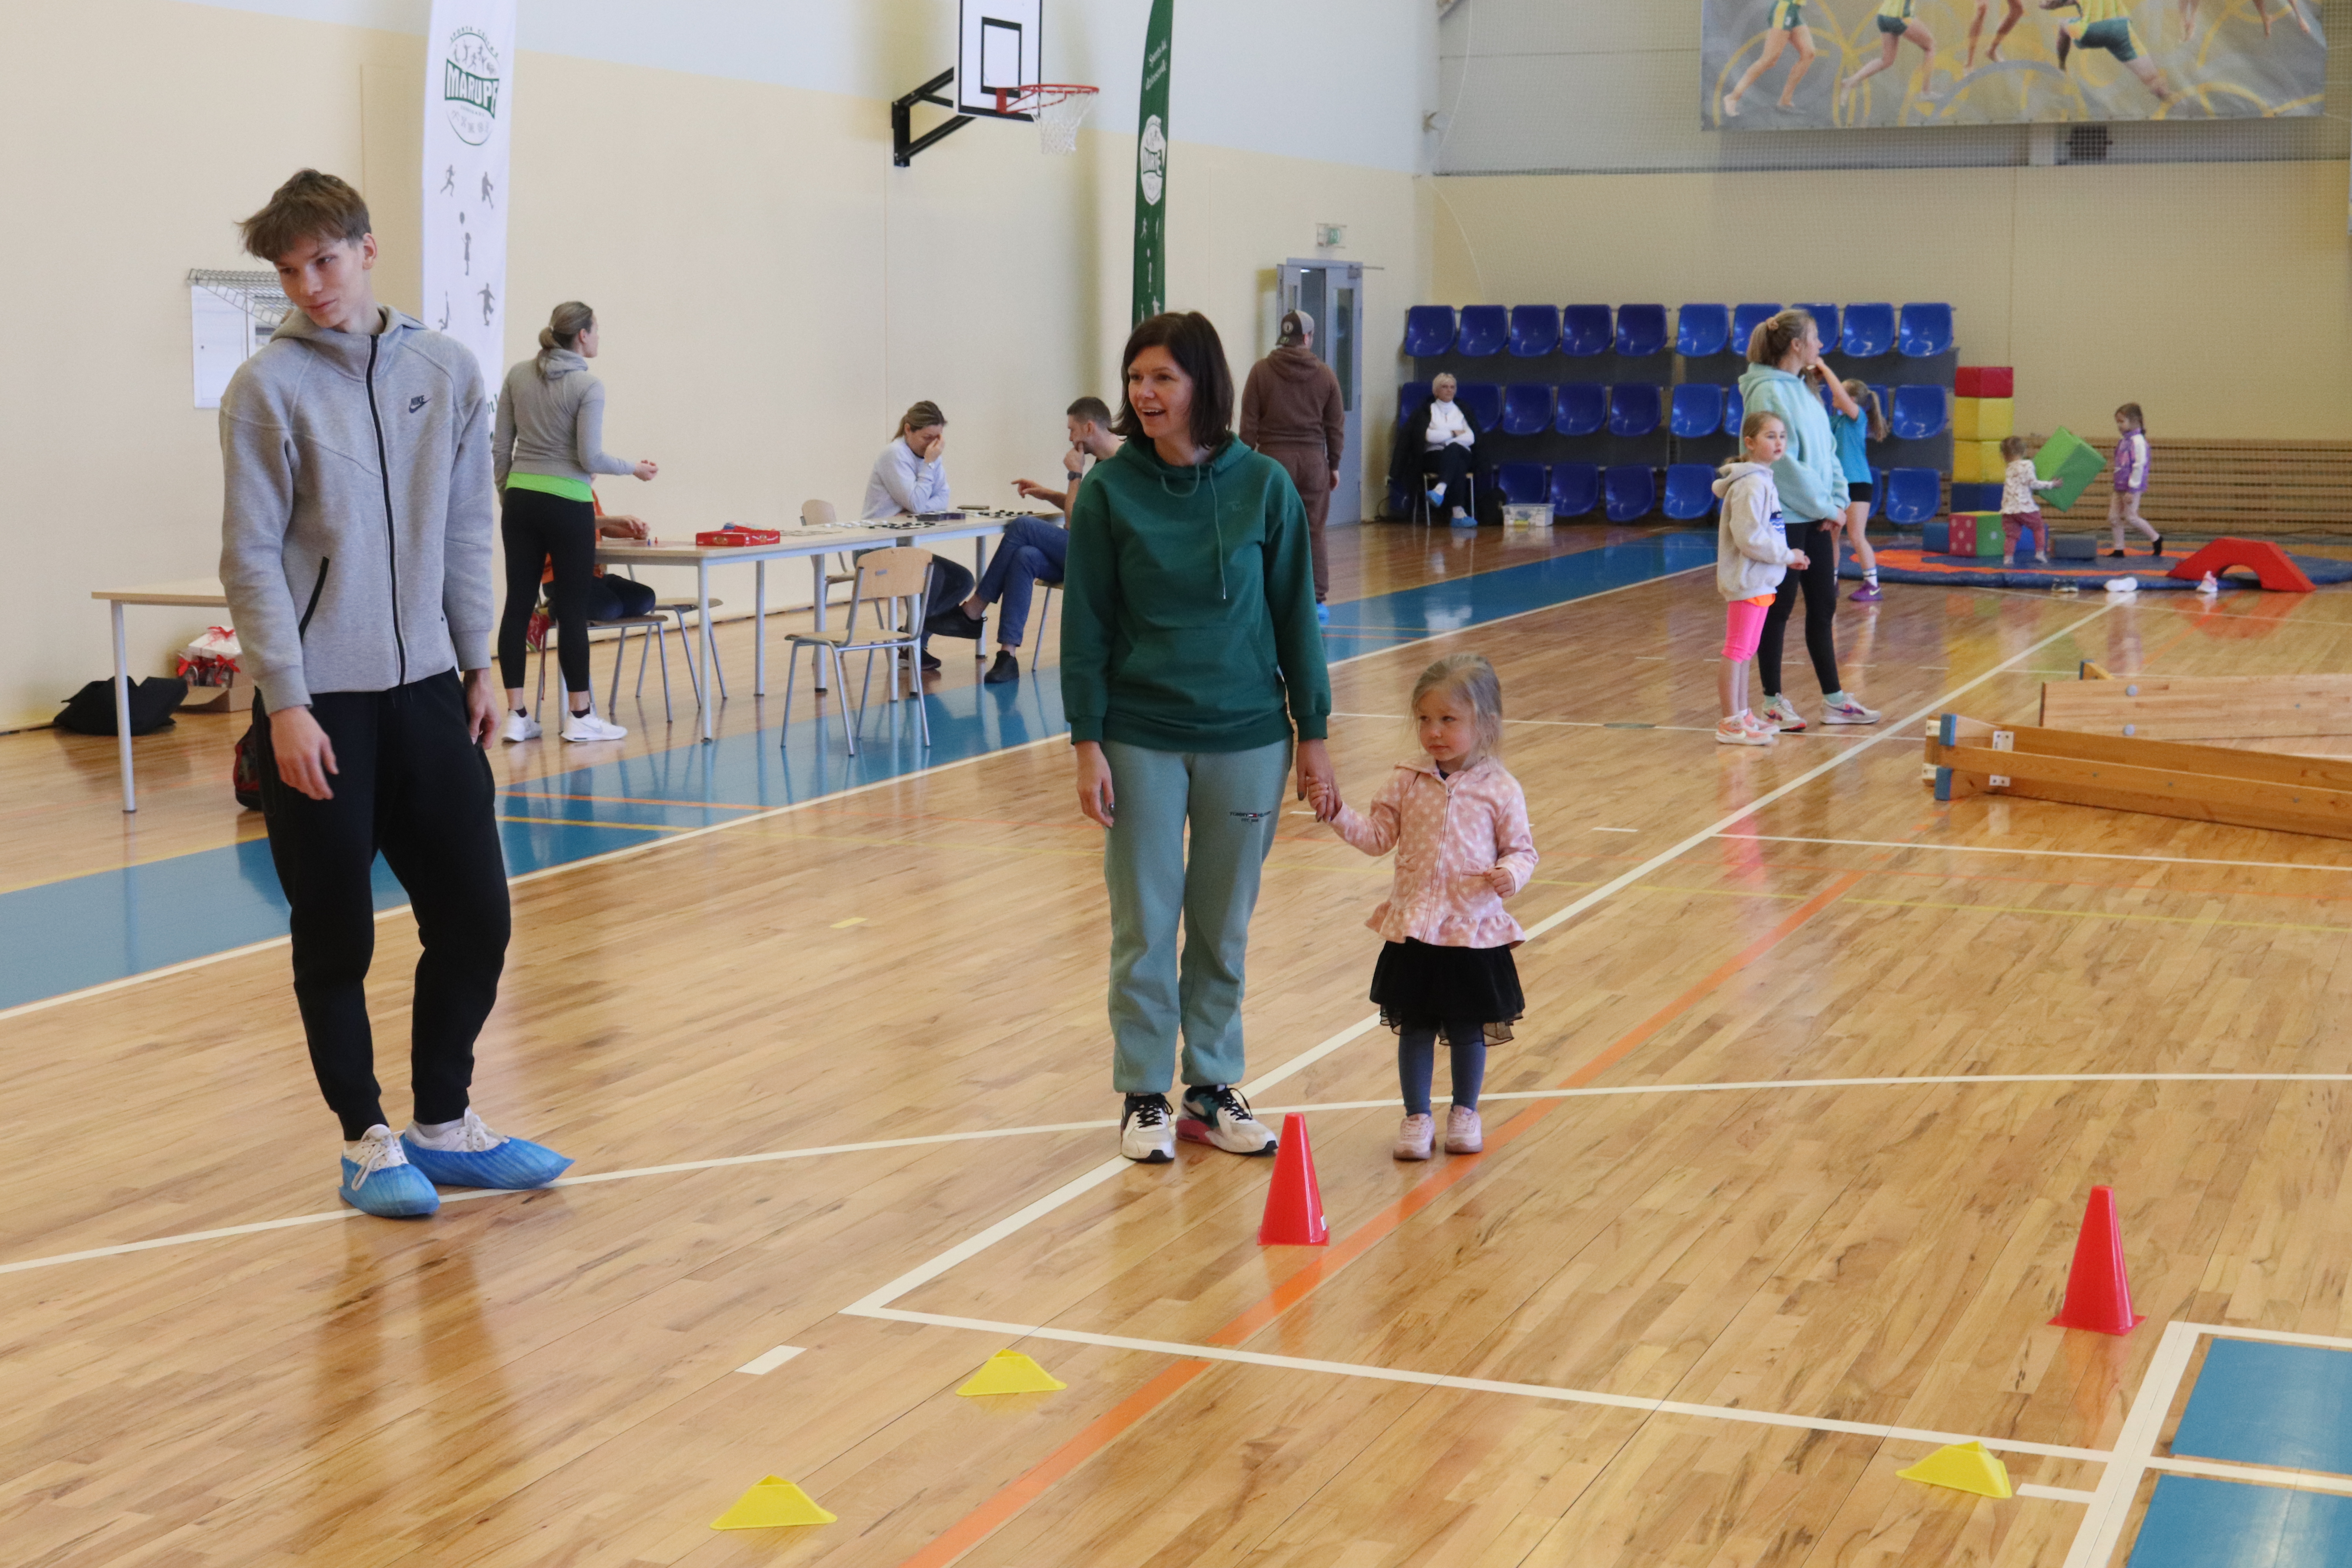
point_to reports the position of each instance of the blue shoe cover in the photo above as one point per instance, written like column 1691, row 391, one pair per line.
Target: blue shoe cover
column 516, row 1165
column 1322, row 615
column 397, row 1191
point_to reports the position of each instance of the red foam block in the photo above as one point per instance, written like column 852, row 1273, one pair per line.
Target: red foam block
column 2266, row 561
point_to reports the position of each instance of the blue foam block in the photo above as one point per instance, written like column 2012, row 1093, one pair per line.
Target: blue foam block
column 1935, row 539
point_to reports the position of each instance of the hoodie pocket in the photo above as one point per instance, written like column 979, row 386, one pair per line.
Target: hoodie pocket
column 302, row 627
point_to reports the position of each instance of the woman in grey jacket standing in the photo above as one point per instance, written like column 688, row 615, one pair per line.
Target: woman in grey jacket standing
column 547, row 444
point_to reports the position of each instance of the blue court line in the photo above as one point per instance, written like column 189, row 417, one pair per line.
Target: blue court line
column 2261, row 1404
column 2194, row 1522
column 69, row 935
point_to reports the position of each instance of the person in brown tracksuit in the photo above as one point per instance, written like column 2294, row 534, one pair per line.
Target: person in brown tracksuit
column 1291, row 412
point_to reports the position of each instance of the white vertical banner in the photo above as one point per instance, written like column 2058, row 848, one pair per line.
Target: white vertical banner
column 468, row 129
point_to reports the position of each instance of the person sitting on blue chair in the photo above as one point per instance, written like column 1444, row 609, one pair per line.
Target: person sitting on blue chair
column 1033, row 548
column 1447, row 444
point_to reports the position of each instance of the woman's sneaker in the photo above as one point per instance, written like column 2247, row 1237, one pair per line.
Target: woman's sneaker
column 1867, row 593
column 521, row 727
column 1216, row 1114
column 1416, row 1136
column 584, row 727
column 1850, row 712
column 1782, row 714
column 1739, row 732
column 1465, row 1133
column 1146, row 1133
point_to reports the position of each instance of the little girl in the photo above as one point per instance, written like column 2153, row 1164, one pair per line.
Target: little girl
column 1751, row 556
column 1458, row 823
column 2131, row 479
column 2020, row 511
column 1857, row 415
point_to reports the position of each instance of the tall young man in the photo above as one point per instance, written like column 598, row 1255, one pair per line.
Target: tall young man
column 1032, row 550
column 355, row 549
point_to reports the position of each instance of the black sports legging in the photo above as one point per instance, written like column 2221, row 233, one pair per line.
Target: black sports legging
column 539, row 528
column 1819, row 584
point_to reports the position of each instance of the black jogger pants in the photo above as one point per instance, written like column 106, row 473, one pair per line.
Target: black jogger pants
column 1818, row 582
column 538, row 529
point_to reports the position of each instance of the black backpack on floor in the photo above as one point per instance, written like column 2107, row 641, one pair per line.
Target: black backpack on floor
column 90, row 711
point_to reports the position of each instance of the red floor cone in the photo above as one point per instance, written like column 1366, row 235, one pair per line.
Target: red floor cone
column 2098, row 1296
column 1294, row 1204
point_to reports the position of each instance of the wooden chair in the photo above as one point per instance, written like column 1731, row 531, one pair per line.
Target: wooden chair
column 894, row 582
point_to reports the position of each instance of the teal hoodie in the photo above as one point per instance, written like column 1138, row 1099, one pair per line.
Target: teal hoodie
column 1187, row 607
column 1810, row 475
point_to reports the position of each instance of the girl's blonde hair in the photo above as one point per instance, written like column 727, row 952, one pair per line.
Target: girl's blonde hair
column 1770, row 343
column 2013, row 448
column 1468, row 675
column 1873, row 412
column 564, row 325
column 2131, row 410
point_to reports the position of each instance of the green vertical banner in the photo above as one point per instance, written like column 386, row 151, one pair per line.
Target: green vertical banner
column 1151, row 167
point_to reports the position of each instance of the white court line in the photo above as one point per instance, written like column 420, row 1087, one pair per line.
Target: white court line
column 761, row 1365
column 2256, row 1475
column 1481, row 1384
column 2068, row 854
column 2103, row 1523
column 1616, row 830
column 2054, row 1494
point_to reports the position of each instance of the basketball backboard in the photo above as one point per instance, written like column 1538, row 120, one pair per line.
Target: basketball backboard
column 1000, row 47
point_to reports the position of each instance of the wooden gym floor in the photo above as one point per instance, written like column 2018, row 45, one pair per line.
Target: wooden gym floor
column 1784, row 1174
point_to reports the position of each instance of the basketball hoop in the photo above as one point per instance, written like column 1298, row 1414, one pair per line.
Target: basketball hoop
column 1059, row 108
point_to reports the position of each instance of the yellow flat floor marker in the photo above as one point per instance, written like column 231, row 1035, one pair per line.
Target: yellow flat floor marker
column 851, row 920
column 1010, row 1372
column 774, row 1501
column 1964, row 1468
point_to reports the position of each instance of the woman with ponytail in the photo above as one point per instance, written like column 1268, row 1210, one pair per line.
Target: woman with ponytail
column 548, row 447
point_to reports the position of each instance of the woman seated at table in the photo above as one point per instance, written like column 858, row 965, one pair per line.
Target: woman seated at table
column 911, row 478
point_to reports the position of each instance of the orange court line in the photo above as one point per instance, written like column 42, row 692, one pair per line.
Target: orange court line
column 1000, row 1509
column 632, row 800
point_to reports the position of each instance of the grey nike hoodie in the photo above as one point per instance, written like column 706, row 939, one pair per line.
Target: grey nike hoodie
column 356, row 531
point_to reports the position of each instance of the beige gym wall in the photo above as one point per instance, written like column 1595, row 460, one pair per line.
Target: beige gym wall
column 2219, row 296
column 771, row 291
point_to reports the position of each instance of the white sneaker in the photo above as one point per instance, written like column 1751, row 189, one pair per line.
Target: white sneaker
column 1217, row 1115
column 1465, row 1133
column 1416, row 1137
column 582, row 727
column 521, row 727
column 1850, row 712
column 1782, row 714
column 1147, row 1134
column 1739, row 732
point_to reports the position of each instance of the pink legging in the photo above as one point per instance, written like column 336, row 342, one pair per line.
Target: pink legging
column 1743, row 625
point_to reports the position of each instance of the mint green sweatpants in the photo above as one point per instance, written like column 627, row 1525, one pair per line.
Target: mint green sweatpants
column 1233, row 801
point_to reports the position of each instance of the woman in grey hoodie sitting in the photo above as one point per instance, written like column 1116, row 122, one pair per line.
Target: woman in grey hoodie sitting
column 548, row 446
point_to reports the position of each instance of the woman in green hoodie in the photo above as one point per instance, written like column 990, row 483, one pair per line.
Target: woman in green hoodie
column 1784, row 367
column 1190, row 657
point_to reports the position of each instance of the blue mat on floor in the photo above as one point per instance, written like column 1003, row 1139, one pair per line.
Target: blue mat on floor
column 1900, row 563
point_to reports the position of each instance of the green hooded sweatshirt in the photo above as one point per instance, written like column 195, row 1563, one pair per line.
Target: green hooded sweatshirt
column 1187, row 607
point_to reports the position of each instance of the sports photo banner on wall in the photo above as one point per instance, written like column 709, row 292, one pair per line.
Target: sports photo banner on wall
column 468, row 129
column 1827, row 65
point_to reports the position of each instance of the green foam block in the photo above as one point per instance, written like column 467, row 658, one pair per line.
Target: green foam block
column 2073, row 462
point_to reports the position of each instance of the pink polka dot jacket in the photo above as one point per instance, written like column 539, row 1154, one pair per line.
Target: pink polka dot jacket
column 1447, row 833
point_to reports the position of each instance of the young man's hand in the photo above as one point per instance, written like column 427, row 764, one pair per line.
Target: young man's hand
column 305, row 756
column 481, row 707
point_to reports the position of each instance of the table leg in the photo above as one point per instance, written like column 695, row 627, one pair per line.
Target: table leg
column 122, row 708
column 709, row 647
column 979, row 570
column 760, row 630
column 816, row 572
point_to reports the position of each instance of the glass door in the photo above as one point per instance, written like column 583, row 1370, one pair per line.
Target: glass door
column 1332, row 292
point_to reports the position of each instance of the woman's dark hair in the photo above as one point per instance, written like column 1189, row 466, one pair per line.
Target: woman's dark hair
column 1191, row 341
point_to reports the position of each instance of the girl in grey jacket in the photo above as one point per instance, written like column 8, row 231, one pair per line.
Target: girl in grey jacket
column 1752, row 557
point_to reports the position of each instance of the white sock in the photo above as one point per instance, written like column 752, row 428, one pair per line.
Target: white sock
column 1835, row 699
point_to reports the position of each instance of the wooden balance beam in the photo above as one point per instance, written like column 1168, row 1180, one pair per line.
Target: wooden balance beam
column 2166, row 778
column 2213, row 707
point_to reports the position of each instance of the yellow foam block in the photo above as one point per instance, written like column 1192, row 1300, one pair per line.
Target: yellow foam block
column 1010, row 1372
column 1966, row 463
column 1991, row 463
column 1996, row 418
column 774, row 1502
column 1964, row 419
column 1964, row 1468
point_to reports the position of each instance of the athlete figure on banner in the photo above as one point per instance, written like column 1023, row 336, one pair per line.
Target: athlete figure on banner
column 1784, row 23
column 2107, row 24
column 2009, row 19
column 1895, row 24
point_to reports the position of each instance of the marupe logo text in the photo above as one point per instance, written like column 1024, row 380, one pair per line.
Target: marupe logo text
column 471, row 73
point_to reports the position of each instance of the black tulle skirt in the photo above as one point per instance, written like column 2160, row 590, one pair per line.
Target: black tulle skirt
column 1417, row 983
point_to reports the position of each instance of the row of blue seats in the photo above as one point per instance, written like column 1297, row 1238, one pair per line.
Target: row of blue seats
column 1630, row 491
column 1637, row 332
column 1695, row 409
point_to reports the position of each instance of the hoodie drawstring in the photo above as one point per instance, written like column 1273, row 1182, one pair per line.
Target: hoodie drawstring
column 1217, row 516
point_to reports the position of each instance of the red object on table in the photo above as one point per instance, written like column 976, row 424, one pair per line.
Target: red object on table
column 736, row 533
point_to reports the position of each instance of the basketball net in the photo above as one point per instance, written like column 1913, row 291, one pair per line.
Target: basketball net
column 1058, row 108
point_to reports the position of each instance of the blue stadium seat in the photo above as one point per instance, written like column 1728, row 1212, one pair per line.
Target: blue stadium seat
column 1410, row 397
column 1523, row 484
column 1925, row 332
column 1641, row 330
column 1481, row 402
column 1428, row 330
column 1575, row 488
column 1698, row 410
column 1913, row 495
column 1634, row 409
column 1527, row 408
column 1586, row 331
column 1690, row 491
column 1920, row 413
column 1735, row 410
column 1744, row 322
column 1632, row 491
column 1534, row 330
column 1825, row 317
column 1484, row 328
column 1582, row 410
column 1701, row 331
column 1869, row 330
